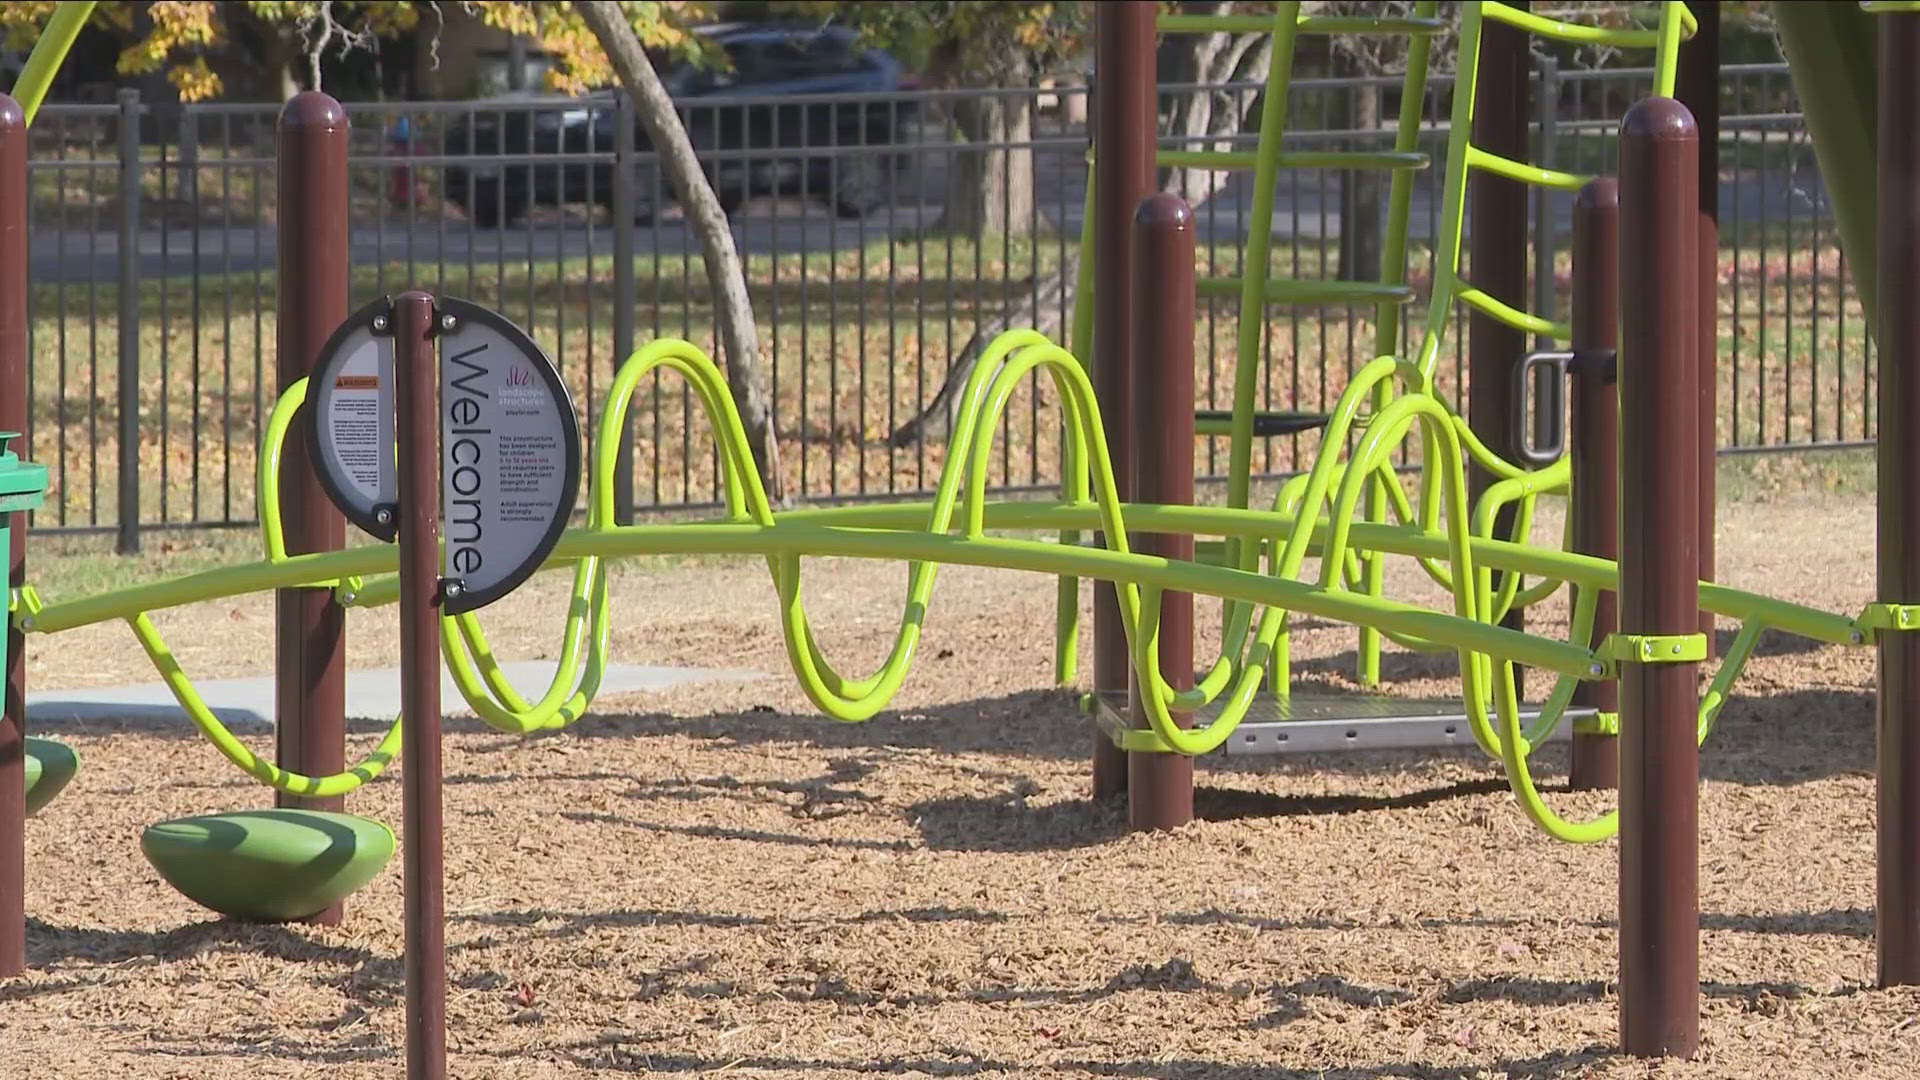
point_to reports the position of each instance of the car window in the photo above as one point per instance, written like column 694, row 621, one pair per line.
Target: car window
column 800, row 56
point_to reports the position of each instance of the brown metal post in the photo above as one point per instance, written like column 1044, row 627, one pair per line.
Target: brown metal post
column 1497, row 251
column 1659, row 571
column 1160, row 786
column 1897, row 913
column 309, row 627
column 1596, row 441
column 417, row 429
column 14, row 401
column 1125, row 118
column 1697, row 86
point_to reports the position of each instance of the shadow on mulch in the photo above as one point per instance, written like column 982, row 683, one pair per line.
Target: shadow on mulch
column 1012, row 825
column 1837, row 922
column 48, row 944
column 1788, row 737
column 258, row 1042
column 608, row 1053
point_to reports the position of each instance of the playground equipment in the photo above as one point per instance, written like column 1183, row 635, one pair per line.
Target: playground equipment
column 1350, row 512
column 31, row 773
column 268, row 865
column 1125, row 158
column 49, row 767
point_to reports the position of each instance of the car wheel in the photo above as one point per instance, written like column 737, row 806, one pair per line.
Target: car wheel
column 493, row 206
column 859, row 187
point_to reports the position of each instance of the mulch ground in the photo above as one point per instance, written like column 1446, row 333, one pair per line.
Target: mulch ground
column 717, row 880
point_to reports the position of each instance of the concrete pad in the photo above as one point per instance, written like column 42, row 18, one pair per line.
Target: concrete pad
column 371, row 694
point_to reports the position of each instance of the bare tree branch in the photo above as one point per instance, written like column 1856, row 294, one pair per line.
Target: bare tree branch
column 318, row 28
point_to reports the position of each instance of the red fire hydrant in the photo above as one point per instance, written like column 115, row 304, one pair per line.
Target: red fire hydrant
column 403, row 188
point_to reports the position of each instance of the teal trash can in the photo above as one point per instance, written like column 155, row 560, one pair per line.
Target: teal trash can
column 23, row 486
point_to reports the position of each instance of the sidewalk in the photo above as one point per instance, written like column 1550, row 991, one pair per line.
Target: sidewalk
column 371, row 694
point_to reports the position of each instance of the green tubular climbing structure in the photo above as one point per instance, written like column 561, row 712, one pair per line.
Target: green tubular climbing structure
column 1383, row 491
column 1350, row 511
column 954, row 527
column 30, row 89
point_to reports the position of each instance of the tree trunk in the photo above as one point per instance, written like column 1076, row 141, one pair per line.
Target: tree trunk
column 284, row 52
column 990, row 191
column 1207, row 120
column 1199, row 58
column 1041, row 311
column 1363, row 192
column 739, row 337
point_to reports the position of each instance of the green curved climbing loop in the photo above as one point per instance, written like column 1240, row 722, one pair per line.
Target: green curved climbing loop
column 954, row 528
column 1350, row 511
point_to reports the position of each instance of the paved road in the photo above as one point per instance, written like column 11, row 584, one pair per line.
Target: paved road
column 1309, row 211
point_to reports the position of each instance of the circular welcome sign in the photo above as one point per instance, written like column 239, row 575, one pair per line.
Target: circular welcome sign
column 509, row 443
column 350, row 408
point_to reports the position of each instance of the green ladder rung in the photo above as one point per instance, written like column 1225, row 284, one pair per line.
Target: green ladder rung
column 1499, row 309
column 1313, row 292
column 1278, row 422
column 1319, row 24
column 1522, row 171
column 1580, row 33
column 1296, row 159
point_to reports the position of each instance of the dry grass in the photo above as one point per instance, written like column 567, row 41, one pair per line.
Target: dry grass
column 854, row 342
column 717, row 880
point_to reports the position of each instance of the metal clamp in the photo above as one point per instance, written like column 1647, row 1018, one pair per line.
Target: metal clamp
column 1131, row 739
column 1140, row 741
column 24, row 605
column 1655, row 648
column 347, row 592
column 1882, row 616
column 1595, row 363
column 1599, row 723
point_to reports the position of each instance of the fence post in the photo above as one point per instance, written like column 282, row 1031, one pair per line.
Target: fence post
column 309, row 625
column 1123, row 133
column 1160, row 785
column 624, row 297
column 14, row 407
column 1897, row 913
column 128, row 392
column 1659, row 581
column 1595, row 509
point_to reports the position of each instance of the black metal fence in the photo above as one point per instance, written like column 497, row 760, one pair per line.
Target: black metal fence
column 872, row 259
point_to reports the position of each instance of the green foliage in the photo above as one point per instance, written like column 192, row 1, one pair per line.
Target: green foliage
column 178, row 35
column 965, row 42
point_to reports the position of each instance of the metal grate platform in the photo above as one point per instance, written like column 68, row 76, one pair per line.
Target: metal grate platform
column 1318, row 723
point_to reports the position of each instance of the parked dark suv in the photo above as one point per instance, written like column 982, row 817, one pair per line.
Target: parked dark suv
column 733, row 125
